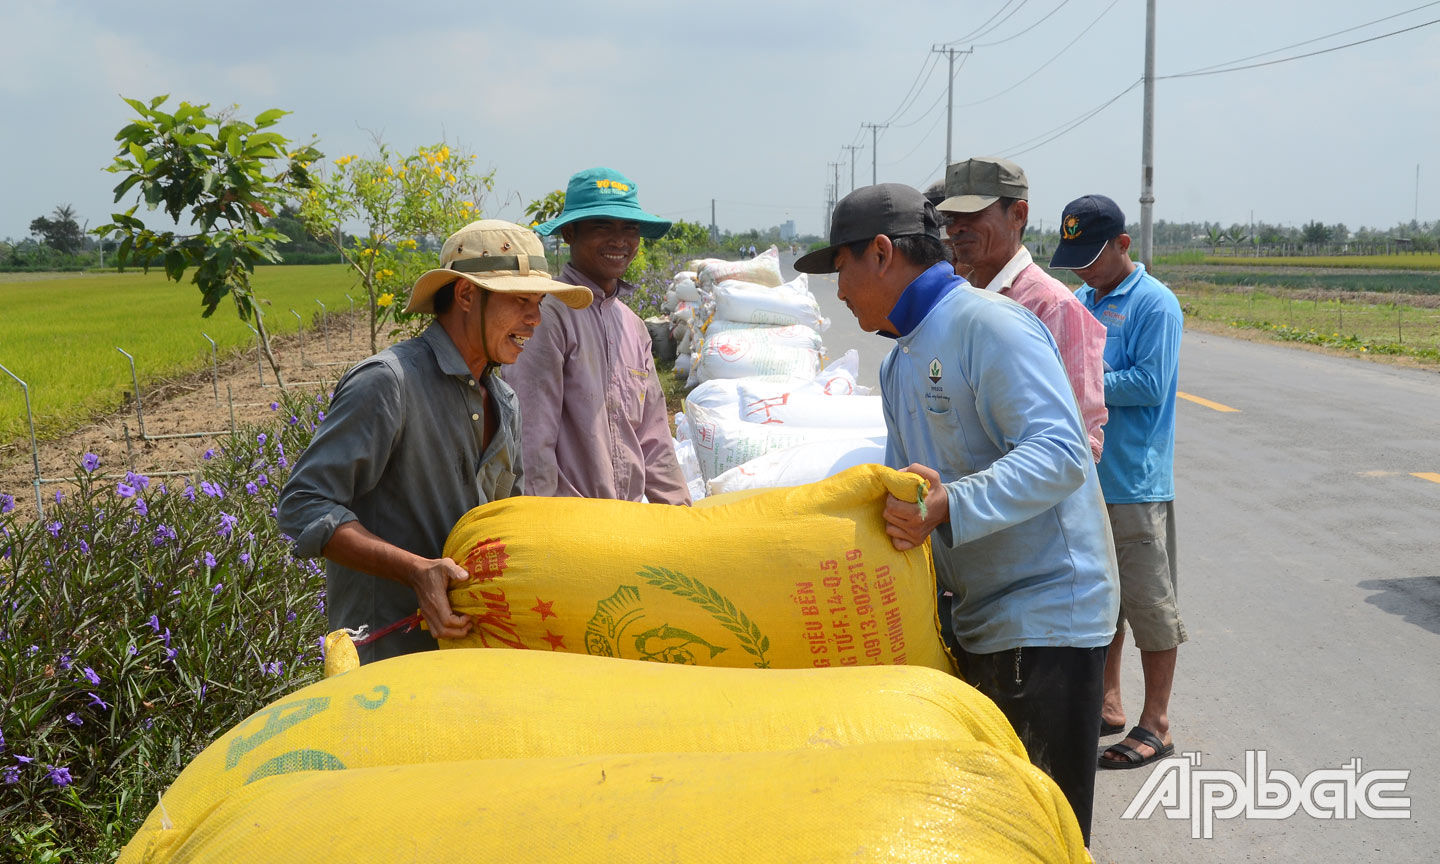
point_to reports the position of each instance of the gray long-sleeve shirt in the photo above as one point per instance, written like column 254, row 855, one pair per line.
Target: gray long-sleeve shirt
column 400, row 451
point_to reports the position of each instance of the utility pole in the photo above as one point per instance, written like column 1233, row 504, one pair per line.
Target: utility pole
column 714, row 231
column 873, row 141
column 1147, row 145
column 949, row 94
column 1416, row 217
column 852, row 148
column 836, row 187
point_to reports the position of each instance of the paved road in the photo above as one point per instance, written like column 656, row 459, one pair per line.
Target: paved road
column 1310, row 585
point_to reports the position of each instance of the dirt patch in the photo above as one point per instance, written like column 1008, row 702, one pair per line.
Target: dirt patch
column 189, row 405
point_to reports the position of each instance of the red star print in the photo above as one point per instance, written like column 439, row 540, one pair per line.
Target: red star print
column 556, row 642
column 543, row 608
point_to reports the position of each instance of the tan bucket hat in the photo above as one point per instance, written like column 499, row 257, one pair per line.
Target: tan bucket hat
column 498, row 256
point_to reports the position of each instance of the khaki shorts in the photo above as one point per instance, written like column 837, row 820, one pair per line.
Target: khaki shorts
column 1145, row 550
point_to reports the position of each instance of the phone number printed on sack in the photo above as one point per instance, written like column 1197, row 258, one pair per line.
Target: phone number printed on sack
column 851, row 614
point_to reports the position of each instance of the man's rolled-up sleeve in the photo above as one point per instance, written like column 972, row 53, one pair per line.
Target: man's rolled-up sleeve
column 346, row 458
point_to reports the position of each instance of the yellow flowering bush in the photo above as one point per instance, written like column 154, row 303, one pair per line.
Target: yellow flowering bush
column 408, row 205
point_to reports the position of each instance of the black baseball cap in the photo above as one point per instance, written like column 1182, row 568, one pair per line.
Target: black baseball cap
column 1086, row 225
column 892, row 209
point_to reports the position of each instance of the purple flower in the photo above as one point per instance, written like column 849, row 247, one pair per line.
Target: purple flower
column 261, row 439
column 65, row 662
column 293, row 420
column 252, row 489
column 274, row 668
column 141, row 507
column 59, row 496
column 283, row 462
column 84, row 548
column 209, row 561
column 91, row 462
column 154, row 623
column 227, row 524
column 147, row 723
column 189, row 492
column 59, row 776
column 289, row 616
column 319, row 416
column 244, row 557
column 209, row 454
column 274, row 406
column 2, row 739
column 32, row 650
column 170, row 654
column 97, row 701
column 26, row 759
column 132, row 650
column 54, row 528
column 11, row 775
column 166, row 637
column 214, row 490
column 124, row 491
column 217, row 588
column 139, row 481
column 91, row 676
column 7, row 503
column 74, row 718
column 162, row 534
column 275, row 513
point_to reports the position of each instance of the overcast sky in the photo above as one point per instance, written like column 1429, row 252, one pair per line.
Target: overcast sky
column 746, row 102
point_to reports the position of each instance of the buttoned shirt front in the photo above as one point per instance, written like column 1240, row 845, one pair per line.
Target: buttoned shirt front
column 1080, row 338
column 595, row 419
column 400, row 451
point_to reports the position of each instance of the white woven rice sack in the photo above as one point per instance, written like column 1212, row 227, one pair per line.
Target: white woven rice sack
column 731, row 355
column 763, row 269
column 752, row 303
column 796, row 466
column 723, row 442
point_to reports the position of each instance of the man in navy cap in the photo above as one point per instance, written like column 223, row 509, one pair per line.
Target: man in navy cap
column 977, row 402
column 1143, row 324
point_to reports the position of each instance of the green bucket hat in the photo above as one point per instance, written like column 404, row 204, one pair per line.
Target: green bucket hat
column 603, row 193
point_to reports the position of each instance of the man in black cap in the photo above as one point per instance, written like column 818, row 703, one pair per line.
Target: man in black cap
column 977, row 402
column 1143, row 324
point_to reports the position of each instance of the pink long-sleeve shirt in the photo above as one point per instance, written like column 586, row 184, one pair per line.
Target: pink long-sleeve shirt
column 592, row 414
column 1079, row 335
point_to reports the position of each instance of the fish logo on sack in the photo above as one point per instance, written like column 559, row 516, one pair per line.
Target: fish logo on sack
column 935, row 370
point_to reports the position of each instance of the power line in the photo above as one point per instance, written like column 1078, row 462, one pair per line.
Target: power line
column 996, row 26
column 1032, row 27
column 1299, row 56
column 1042, row 66
column 1067, row 126
column 1310, row 41
column 972, row 34
column 926, row 69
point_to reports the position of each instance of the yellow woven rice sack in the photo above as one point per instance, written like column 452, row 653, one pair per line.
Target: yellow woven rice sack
column 929, row 801
column 798, row 577
column 448, row 706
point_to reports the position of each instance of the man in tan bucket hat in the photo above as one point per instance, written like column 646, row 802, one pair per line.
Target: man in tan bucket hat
column 419, row 434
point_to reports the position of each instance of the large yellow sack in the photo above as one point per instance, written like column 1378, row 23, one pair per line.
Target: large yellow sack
column 798, row 577
column 928, row 801
column 449, row 706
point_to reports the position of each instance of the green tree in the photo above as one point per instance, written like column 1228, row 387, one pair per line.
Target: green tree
column 218, row 174
column 61, row 233
column 547, row 208
column 405, row 203
column 1316, row 232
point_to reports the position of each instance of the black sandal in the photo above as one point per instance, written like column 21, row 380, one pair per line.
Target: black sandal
column 1130, row 757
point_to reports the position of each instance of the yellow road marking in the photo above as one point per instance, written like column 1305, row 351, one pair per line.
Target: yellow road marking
column 1425, row 475
column 1208, row 404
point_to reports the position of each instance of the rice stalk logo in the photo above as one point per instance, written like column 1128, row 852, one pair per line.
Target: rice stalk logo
column 1182, row 790
column 935, row 370
column 609, row 633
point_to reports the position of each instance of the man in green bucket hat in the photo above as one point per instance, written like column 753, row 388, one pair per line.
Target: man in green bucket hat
column 595, row 424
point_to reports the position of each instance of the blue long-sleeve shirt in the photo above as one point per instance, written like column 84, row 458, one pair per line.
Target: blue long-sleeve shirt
column 974, row 388
column 1143, row 324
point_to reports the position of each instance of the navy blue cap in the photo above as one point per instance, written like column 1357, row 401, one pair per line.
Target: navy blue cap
column 1087, row 224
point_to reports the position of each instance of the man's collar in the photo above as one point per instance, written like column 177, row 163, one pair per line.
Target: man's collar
column 447, row 356
column 1007, row 274
column 1125, row 284
column 571, row 275
column 920, row 296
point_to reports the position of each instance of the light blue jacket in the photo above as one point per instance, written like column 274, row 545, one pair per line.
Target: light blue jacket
column 1143, row 323
column 975, row 390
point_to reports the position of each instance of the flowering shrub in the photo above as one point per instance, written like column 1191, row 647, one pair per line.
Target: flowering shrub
column 139, row 620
